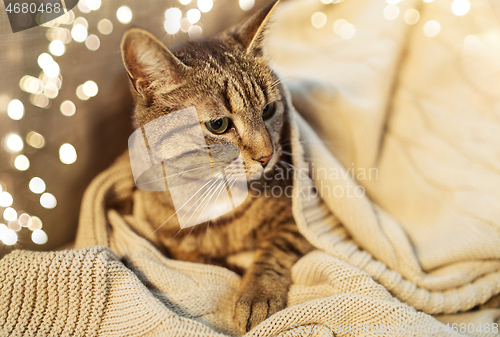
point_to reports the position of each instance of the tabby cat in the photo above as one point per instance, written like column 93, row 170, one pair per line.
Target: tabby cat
column 239, row 101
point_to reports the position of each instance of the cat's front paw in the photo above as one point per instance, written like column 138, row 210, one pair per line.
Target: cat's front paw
column 255, row 304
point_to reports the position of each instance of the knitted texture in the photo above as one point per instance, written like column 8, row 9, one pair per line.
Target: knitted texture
column 424, row 240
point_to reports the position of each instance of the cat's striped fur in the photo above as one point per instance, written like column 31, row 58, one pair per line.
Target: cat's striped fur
column 225, row 76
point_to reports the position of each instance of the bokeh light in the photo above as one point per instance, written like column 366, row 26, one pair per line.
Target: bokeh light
column 14, row 225
column 172, row 20
column 411, row 16
column 247, row 5
column 37, row 185
column 39, row 237
column 68, row 108
column 35, row 224
column 347, row 31
column 193, row 15
column 25, row 220
column 90, row 88
column 124, row 14
column 79, row 33
column 391, row 12
column 93, row 4
column 338, row 24
column 7, row 236
column 185, row 2
column 432, row 28
column 195, row 32
column 93, row 43
column 22, row 163
column 319, row 19
column 105, row 27
column 35, row 140
column 13, row 143
column 67, row 154
column 48, row 200
column 472, row 45
column 460, row 7
column 15, row 109
column 6, row 199
column 205, row 5
column 81, row 94
column 10, row 214
column 57, row 48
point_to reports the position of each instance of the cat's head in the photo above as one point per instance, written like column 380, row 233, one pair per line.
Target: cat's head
column 238, row 99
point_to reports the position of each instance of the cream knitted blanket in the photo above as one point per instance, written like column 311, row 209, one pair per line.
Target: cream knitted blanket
column 424, row 240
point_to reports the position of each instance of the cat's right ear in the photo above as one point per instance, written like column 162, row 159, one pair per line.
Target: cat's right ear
column 150, row 65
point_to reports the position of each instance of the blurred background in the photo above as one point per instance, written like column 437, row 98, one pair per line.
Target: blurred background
column 65, row 107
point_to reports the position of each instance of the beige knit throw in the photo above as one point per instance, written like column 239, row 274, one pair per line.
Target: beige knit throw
column 423, row 241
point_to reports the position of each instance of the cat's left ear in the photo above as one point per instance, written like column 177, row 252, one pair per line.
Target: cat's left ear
column 252, row 33
column 149, row 63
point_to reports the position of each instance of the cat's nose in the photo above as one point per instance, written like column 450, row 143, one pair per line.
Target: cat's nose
column 265, row 160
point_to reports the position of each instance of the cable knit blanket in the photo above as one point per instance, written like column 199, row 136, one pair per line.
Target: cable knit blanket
column 417, row 254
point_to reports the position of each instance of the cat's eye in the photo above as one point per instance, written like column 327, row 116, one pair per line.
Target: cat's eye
column 219, row 126
column 269, row 111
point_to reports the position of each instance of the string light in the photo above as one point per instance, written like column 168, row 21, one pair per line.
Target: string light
column 6, row 199
column 195, row 32
column 9, row 214
column 205, row 5
column 48, row 201
column 7, row 236
column 319, row 19
column 39, row 237
column 21, row 163
column 185, row 25
column 14, row 225
column 93, row 4
column 391, row 12
column 35, row 140
column 24, row 220
column 81, row 94
column 105, row 27
column 68, row 108
column 35, row 224
column 82, row 6
column 193, row 15
column 472, row 45
column 432, row 28
column 57, row 48
column 67, row 154
column 460, row 7
column 347, row 31
column 79, row 33
column 247, row 5
column 13, row 143
column 15, row 109
column 92, row 42
column 173, row 20
column 37, row 185
column 90, row 88
column 124, row 14
column 411, row 16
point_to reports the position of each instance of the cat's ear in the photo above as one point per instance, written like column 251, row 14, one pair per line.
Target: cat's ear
column 252, row 33
column 149, row 63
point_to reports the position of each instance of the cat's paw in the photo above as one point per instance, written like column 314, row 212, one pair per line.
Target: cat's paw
column 256, row 304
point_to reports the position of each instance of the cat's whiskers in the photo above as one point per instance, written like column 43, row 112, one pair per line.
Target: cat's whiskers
column 181, row 207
